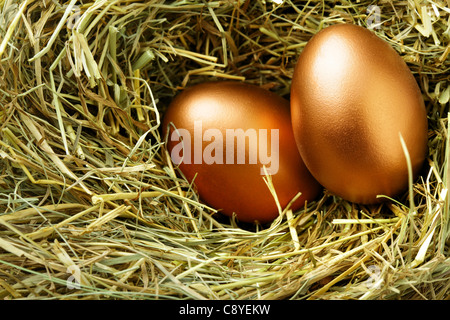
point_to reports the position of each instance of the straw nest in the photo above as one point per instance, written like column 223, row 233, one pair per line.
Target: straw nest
column 92, row 208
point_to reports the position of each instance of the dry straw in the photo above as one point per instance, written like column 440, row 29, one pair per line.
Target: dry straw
column 92, row 208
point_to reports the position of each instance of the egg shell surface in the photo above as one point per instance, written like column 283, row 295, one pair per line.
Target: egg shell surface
column 352, row 96
column 209, row 111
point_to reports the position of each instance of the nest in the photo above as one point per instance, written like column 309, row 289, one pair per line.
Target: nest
column 91, row 206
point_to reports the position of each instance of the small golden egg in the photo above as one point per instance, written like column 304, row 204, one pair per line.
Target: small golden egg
column 223, row 134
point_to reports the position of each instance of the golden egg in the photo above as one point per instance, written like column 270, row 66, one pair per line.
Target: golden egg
column 352, row 96
column 223, row 134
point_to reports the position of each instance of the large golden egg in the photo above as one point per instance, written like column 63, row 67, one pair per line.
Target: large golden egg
column 222, row 134
column 352, row 96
